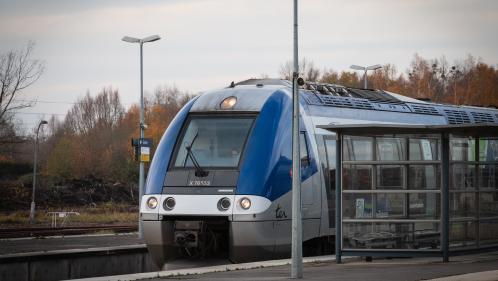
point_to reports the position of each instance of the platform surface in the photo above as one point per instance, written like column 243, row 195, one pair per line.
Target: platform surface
column 381, row 270
column 29, row 245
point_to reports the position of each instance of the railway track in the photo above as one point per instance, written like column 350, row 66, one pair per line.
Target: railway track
column 71, row 230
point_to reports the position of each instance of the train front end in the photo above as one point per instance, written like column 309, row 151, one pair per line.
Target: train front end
column 211, row 182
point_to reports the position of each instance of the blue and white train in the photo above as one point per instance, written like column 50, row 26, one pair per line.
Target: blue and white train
column 220, row 179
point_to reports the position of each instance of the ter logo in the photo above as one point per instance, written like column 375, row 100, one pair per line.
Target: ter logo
column 279, row 213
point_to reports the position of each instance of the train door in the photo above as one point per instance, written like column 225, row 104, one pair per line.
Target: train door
column 307, row 194
column 310, row 198
column 311, row 182
column 330, row 150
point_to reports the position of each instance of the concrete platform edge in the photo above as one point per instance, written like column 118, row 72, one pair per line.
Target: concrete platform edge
column 73, row 251
column 203, row 270
column 491, row 275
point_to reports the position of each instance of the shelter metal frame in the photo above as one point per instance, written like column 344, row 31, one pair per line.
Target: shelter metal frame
column 482, row 130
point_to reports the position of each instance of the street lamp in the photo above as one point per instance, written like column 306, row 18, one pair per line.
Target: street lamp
column 372, row 67
column 148, row 39
column 297, row 230
column 32, row 212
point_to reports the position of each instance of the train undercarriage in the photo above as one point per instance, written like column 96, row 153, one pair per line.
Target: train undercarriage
column 218, row 238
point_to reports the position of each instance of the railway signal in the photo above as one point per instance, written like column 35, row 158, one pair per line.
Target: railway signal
column 142, row 149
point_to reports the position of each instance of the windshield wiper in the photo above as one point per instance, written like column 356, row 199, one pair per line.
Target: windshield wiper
column 199, row 172
column 198, row 169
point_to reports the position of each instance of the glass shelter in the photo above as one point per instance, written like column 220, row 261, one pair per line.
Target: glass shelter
column 410, row 190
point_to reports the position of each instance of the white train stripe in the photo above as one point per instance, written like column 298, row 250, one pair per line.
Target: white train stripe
column 204, row 205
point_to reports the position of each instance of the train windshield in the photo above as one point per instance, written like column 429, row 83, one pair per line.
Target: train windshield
column 213, row 142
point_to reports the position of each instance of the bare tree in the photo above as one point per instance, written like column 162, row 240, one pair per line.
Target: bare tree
column 307, row 70
column 166, row 95
column 8, row 133
column 105, row 111
column 17, row 72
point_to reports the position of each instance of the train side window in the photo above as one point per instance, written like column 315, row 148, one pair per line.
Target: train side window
column 330, row 150
column 303, row 149
column 330, row 147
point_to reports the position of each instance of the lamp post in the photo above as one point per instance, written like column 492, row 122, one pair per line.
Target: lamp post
column 455, row 73
column 297, row 230
column 32, row 212
column 365, row 69
column 148, row 39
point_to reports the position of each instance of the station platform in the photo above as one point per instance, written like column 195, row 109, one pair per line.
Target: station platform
column 12, row 246
column 482, row 267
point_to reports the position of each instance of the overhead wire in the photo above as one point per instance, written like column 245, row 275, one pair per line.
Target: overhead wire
column 56, row 102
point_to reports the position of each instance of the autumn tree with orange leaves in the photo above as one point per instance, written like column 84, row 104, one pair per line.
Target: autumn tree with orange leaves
column 464, row 82
column 94, row 138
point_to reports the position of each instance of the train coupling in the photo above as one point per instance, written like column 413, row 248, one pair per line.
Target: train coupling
column 187, row 233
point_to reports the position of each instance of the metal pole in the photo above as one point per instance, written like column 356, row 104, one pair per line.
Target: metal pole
column 338, row 194
column 445, row 143
column 141, row 171
column 33, row 205
column 365, row 78
column 297, row 239
column 454, row 93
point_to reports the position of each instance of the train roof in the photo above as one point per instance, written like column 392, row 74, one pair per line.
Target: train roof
column 253, row 93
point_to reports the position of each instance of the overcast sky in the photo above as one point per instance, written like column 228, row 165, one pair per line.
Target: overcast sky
column 206, row 44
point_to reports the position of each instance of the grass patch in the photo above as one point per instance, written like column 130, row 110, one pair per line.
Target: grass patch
column 20, row 217
column 107, row 213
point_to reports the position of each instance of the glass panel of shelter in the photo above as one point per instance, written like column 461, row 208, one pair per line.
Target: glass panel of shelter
column 389, row 201
column 473, row 192
column 463, row 196
column 488, row 192
column 391, row 192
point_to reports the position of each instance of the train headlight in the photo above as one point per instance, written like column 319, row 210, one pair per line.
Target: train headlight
column 152, row 202
column 169, row 203
column 224, row 204
column 245, row 203
column 228, row 103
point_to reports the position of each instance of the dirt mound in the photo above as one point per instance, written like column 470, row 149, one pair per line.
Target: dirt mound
column 16, row 194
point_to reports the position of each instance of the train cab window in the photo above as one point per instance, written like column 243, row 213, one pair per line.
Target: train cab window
column 213, row 141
